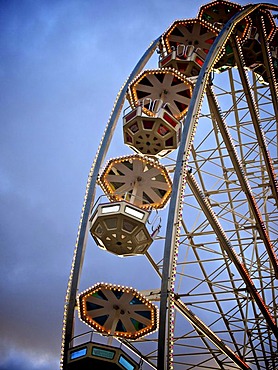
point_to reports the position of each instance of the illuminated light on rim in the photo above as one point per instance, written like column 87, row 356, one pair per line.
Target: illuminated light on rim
column 167, row 84
column 187, row 37
column 226, row 10
column 129, row 314
column 140, row 180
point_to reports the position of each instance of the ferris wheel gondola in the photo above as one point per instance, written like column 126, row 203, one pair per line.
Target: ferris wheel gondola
column 117, row 310
column 162, row 85
column 218, row 13
column 140, row 180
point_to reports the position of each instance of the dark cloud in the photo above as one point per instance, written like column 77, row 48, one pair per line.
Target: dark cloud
column 17, row 360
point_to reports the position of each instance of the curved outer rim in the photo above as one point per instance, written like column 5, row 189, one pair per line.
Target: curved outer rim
column 81, row 242
column 172, row 227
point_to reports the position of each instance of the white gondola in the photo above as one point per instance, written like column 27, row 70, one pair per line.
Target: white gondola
column 120, row 228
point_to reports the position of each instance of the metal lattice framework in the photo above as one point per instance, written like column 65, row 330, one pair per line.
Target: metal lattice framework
column 216, row 253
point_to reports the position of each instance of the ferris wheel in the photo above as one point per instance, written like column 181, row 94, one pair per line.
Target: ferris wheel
column 194, row 200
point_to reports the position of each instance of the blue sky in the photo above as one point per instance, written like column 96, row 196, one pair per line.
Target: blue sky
column 62, row 63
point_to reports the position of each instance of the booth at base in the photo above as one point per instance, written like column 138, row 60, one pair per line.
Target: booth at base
column 90, row 355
